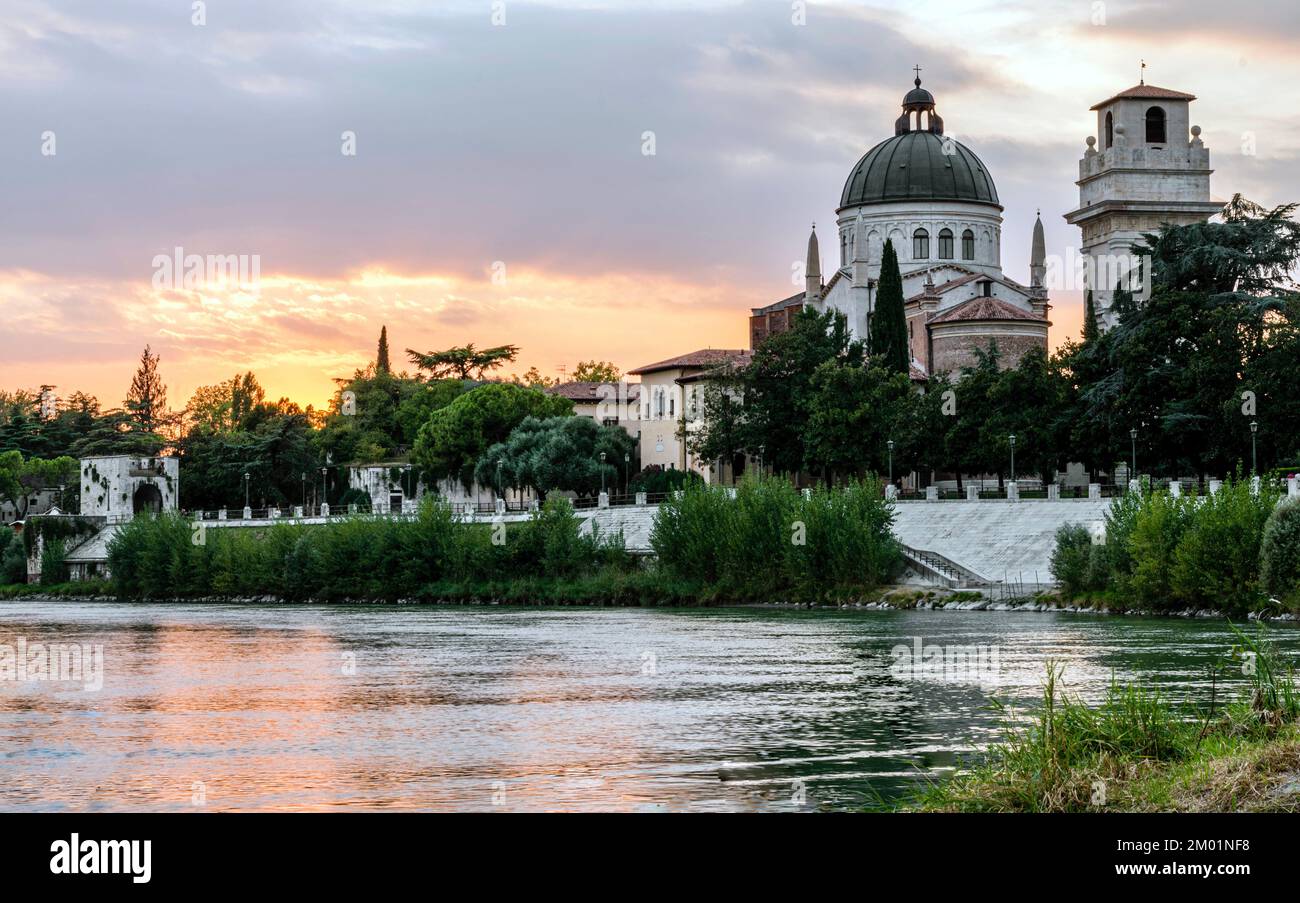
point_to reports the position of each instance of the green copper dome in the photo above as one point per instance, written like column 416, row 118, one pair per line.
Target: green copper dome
column 912, row 166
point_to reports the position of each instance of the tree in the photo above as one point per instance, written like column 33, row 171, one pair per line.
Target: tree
column 853, row 412
column 556, row 453
column 21, row 480
column 1090, row 329
column 463, row 362
column 454, row 438
column 596, row 372
column 381, row 356
column 146, row 400
column 226, row 406
column 534, row 379
column 776, row 387
column 889, row 346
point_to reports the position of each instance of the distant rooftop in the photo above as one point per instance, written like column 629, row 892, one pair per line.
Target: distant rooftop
column 1146, row 92
column 705, row 357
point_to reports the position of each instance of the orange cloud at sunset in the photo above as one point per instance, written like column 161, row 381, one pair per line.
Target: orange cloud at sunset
column 297, row 333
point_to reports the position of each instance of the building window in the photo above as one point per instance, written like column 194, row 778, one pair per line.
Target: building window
column 1155, row 126
column 672, row 407
column 988, row 289
column 968, row 245
column 945, row 244
column 920, row 245
column 1110, row 130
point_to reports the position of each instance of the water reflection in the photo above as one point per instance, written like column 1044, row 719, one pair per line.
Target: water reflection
column 296, row 708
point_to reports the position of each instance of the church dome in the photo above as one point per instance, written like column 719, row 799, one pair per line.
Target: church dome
column 913, row 167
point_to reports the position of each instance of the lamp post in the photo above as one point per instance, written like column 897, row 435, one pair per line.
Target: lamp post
column 1012, row 439
column 500, row 461
column 1133, row 467
column 304, row 489
column 246, row 479
column 1254, row 428
column 890, row 443
column 324, row 486
column 627, row 467
column 602, row 471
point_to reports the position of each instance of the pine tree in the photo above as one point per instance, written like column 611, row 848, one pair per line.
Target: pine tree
column 147, row 398
column 888, row 321
column 1090, row 331
column 381, row 359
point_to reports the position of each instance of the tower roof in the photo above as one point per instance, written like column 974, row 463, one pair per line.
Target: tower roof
column 813, row 266
column 1145, row 92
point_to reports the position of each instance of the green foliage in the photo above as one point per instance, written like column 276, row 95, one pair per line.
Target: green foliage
column 1170, row 553
column 358, row 558
column 54, row 567
column 455, row 438
column 657, row 480
column 1157, row 532
column 889, row 346
column 463, row 362
column 1071, row 558
column 1279, row 553
column 1217, row 561
column 595, row 372
column 21, row 479
column 772, row 542
column 558, row 453
column 13, row 558
column 382, row 364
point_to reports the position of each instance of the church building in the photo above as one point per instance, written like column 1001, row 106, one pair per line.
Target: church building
column 936, row 201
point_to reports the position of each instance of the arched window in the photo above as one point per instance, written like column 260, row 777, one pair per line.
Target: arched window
column 968, row 245
column 1155, row 126
column 945, row 244
column 1110, row 130
column 920, row 245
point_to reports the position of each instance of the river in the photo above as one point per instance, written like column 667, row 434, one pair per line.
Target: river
column 260, row 707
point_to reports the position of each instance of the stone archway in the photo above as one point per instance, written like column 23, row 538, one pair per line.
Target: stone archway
column 147, row 500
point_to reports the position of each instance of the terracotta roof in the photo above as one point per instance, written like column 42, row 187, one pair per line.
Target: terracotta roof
column 581, row 391
column 916, row 372
column 982, row 308
column 1146, row 91
column 740, row 360
column 705, row 357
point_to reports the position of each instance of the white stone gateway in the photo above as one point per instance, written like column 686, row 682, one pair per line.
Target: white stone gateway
column 118, row 487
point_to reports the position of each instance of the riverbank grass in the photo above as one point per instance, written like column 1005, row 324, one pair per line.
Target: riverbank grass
column 1138, row 751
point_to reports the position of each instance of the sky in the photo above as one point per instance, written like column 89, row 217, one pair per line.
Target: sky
column 477, row 171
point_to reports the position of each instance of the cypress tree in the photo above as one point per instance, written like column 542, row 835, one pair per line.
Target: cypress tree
column 889, row 322
column 1090, row 330
column 381, row 360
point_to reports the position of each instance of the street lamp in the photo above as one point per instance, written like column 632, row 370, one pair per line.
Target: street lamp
column 304, row 489
column 1254, row 428
column 627, row 466
column 1133, row 437
column 324, row 486
column 246, row 479
column 890, row 443
column 602, row 471
column 500, row 461
column 1012, row 439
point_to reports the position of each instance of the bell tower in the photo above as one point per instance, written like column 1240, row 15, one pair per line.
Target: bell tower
column 1150, row 169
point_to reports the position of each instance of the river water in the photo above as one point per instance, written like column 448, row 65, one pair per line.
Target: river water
column 248, row 707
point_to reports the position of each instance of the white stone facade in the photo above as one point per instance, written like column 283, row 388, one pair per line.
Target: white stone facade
column 118, row 487
column 1130, row 185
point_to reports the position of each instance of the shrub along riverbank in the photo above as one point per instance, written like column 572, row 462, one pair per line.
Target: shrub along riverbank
column 1139, row 751
column 769, row 544
column 1236, row 551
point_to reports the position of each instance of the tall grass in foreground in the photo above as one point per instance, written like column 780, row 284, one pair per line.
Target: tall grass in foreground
column 1067, row 755
column 771, row 541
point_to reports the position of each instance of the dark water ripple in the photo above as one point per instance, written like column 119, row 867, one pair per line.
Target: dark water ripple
column 475, row 709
